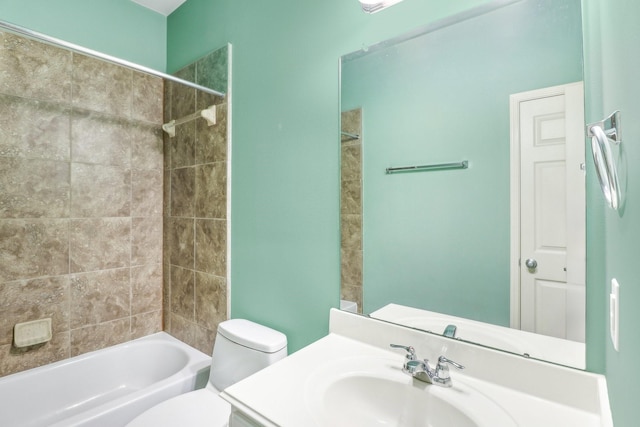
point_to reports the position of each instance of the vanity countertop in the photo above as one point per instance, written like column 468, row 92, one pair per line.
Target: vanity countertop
column 532, row 393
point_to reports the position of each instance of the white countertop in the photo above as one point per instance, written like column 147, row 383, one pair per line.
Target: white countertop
column 533, row 393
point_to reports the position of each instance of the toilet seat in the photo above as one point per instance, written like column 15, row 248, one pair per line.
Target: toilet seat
column 194, row 409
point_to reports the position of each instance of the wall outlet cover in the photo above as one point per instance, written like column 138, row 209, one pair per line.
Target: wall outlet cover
column 614, row 312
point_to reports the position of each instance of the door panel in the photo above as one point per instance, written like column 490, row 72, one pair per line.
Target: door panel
column 551, row 192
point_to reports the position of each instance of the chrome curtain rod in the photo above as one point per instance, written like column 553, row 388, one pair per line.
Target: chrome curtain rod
column 441, row 166
column 98, row 55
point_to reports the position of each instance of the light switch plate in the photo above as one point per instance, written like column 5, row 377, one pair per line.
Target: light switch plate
column 614, row 312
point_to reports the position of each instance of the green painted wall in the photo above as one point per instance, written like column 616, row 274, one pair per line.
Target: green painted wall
column 285, row 269
column 440, row 240
column 613, row 59
column 597, row 295
column 119, row 28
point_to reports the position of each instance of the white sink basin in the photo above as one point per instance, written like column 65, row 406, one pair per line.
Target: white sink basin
column 359, row 392
column 351, row 378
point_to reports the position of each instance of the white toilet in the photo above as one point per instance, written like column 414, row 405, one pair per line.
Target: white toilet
column 241, row 349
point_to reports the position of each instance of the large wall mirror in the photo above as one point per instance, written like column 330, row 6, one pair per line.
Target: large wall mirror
column 493, row 234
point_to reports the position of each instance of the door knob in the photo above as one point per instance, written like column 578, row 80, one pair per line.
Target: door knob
column 531, row 263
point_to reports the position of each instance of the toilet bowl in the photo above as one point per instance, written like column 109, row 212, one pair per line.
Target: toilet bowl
column 241, row 349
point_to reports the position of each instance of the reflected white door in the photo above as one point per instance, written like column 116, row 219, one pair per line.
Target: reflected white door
column 551, row 258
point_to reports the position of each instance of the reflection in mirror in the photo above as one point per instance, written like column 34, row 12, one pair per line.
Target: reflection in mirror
column 488, row 88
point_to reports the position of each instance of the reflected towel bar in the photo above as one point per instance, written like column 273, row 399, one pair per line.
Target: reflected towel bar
column 441, row 166
column 350, row 135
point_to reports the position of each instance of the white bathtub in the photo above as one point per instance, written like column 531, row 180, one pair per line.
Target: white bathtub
column 105, row 388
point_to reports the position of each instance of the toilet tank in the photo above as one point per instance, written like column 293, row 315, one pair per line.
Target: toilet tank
column 243, row 348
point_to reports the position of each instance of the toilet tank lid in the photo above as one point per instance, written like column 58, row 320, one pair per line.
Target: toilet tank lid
column 253, row 335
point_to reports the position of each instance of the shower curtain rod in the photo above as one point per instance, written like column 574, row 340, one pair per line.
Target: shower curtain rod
column 98, row 55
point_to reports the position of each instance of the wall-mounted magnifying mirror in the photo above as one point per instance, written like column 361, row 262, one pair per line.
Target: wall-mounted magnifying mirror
column 603, row 134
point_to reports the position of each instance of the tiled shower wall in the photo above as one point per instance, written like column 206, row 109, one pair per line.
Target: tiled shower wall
column 351, row 208
column 81, row 175
column 195, row 209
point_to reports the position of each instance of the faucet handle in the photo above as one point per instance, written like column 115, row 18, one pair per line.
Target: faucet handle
column 442, row 360
column 411, row 352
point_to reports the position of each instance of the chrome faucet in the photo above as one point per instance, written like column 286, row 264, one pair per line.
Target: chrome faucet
column 420, row 369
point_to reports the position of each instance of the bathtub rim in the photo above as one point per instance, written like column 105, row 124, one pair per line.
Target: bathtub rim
column 195, row 372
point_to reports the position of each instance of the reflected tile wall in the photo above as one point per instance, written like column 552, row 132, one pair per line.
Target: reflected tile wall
column 195, row 200
column 81, row 211
column 351, row 208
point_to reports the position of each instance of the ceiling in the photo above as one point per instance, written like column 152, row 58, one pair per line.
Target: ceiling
column 164, row 7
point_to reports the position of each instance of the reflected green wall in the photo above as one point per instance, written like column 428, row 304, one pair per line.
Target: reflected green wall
column 613, row 58
column 440, row 240
column 119, row 28
column 285, row 269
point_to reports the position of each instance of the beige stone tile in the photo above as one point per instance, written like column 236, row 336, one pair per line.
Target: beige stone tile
column 351, row 232
column 167, row 90
column 147, row 98
column 14, row 360
column 34, row 70
column 351, row 123
column 182, row 292
column 183, row 329
column 34, row 188
column 147, row 147
column 27, row 300
column 351, row 267
column 211, row 190
column 33, row 248
column 351, row 197
column 204, row 99
column 212, row 70
column 34, row 129
column 204, row 339
column 166, row 192
column 183, row 97
column 182, row 146
column 146, row 324
column 101, row 86
column 146, row 288
column 100, row 296
column 100, row 139
column 351, row 165
column 211, row 300
column 166, row 295
column 183, row 182
column 146, row 240
column 211, row 246
column 96, row 337
column 146, row 192
column 211, row 141
column 99, row 244
column 179, row 237
column 100, row 191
